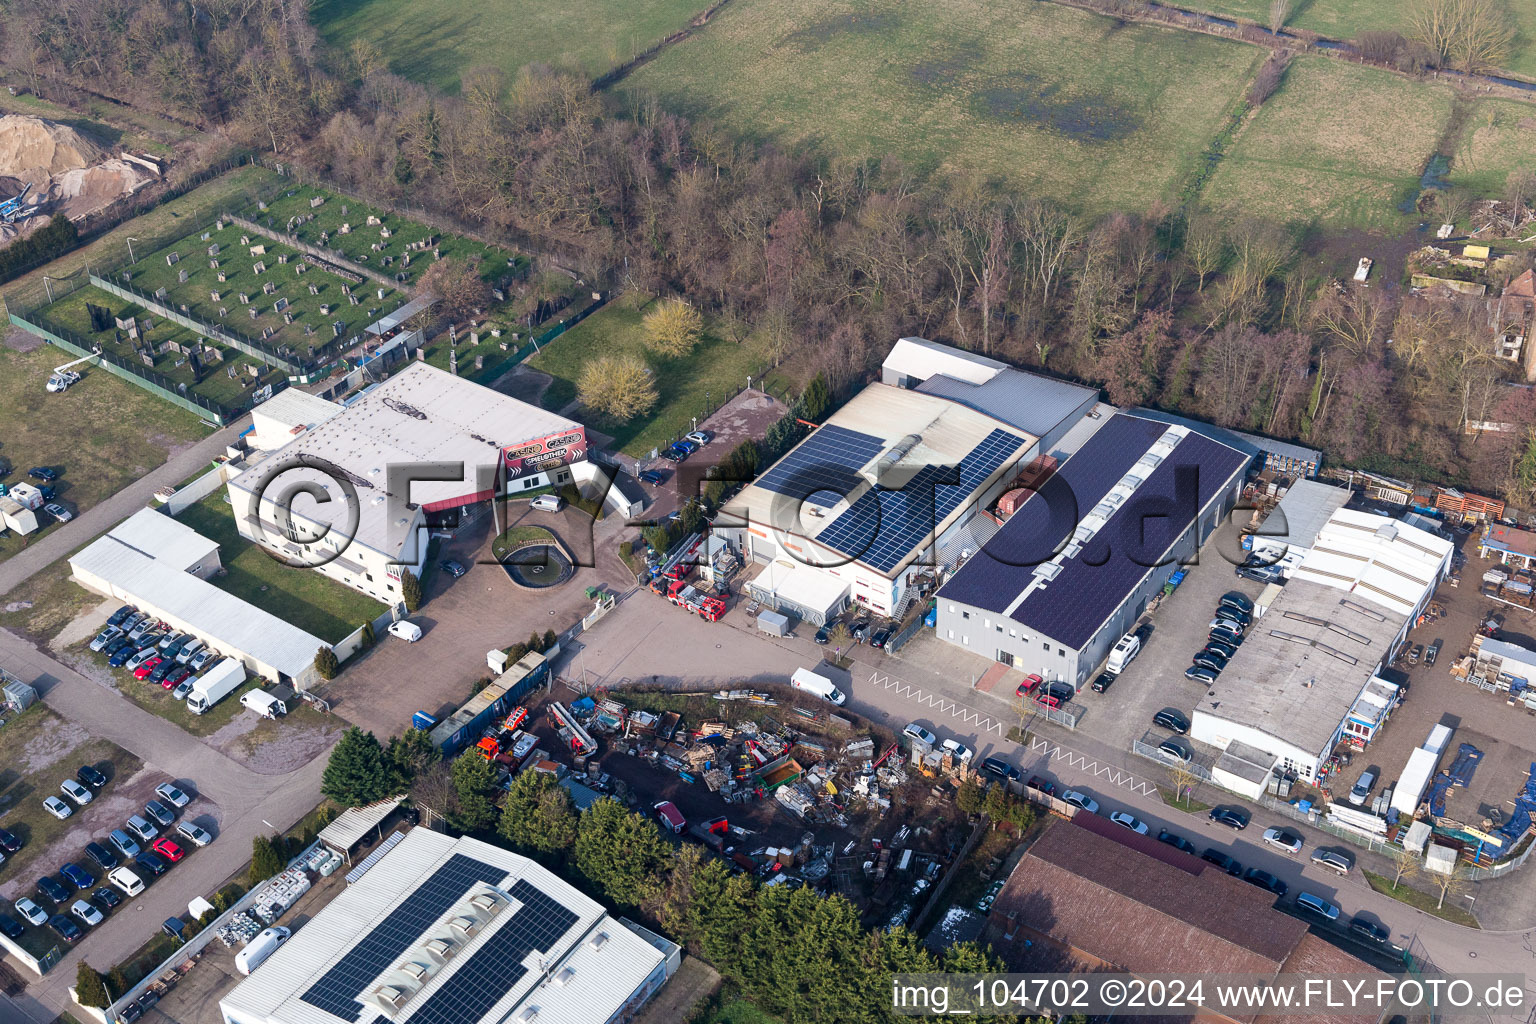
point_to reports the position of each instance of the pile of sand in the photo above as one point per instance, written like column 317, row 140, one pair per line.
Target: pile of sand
column 35, row 149
column 80, row 191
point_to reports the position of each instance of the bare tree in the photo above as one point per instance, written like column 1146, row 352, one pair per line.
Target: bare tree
column 1469, row 35
column 1354, row 316
column 1279, row 14
column 1183, row 779
column 1449, row 885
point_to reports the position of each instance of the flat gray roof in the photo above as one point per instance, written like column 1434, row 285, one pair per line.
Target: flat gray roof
column 1303, row 664
column 1303, row 512
column 1032, row 403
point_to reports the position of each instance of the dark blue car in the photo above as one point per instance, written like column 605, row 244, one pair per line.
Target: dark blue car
column 101, row 855
column 152, row 863
column 122, row 655
column 51, row 889
column 78, row 876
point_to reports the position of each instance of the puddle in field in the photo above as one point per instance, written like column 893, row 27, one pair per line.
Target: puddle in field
column 1024, row 98
column 819, row 33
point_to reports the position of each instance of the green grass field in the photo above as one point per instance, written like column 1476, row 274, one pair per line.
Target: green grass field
column 305, row 598
column 101, row 434
column 1061, row 103
column 1339, row 144
column 1346, row 19
column 715, row 369
column 437, row 43
column 1496, row 137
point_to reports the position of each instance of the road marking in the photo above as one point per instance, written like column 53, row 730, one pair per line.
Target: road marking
column 941, row 705
column 1109, row 773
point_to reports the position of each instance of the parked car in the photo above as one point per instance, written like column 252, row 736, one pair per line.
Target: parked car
column 44, row 473
column 31, row 912
column 126, row 880
column 135, row 619
column 76, row 792
column 1221, row 647
column 1176, row 750
column 56, row 807
column 824, row 635
column 117, row 645
column 1029, row 685
column 77, row 876
column 91, row 776
column 1317, row 905
column 1201, row 673
column 121, row 616
column 1000, row 769
column 105, row 638
column 961, row 752
column 168, row 849
column 147, row 666
column 189, row 651
column 141, row 629
column 184, row 688
column 1231, row 817
column 1261, row 573
column 1169, row 718
column 162, row 669
column 1176, row 841
column 1129, row 821
column 58, row 512
column 142, row 829
column 860, row 630
column 1362, row 788
column 1041, row 785
column 151, row 864
column 1370, row 931
column 1227, row 624
column 87, row 913
column 123, row 843
column 64, row 928
column 104, row 858
column 1333, row 860
column 1237, row 599
column 159, row 812
column 171, row 795
column 654, row 477
column 1264, row 880
column 1058, row 691
column 175, row 677
column 1082, row 800
column 1103, row 682
column 1205, row 659
column 194, row 834
column 141, row 657
column 10, row 927
column 1281, row 839
column 52, row 890
column 921, row 735
column 452, row 568
column 1221, row 860
column 699, row 437
column 203, row 659
column 8, row 841
column 1432, row 652
column 108, row 897
column 880, row 638
column 120, row 657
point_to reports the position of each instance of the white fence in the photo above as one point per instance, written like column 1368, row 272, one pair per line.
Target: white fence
column 190, row 494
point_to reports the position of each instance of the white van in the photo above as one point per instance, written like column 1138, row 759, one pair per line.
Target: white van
column 406, row 630
column 547, row 503
column 126, row 880
column 258, row 949
column 1124, row 653
column 821, row 686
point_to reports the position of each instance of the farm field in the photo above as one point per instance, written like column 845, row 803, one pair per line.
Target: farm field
column 1346, row 19
column 437, row 43
column 1062, row 103
column 100, row 435
column 1497, row 137
column 710, row 373
column 1339, row 144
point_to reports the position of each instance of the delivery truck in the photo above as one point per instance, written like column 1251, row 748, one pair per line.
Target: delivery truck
column 215, row 684
column 264, row 704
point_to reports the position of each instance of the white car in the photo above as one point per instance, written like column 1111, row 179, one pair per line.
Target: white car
column 1082, row 800
column 921, row 735
column 1129, row 821
column 202, row 658
column 700, row 437
column 134, row 663
column 194, row 834
column 962, row 752
column 1283, row 840
column 76, row 792
column 56, row 807
column 86, row 913
column 171, row 795
column 126, row 880
column 184, row 688
column 58, row 512
column 187, row 653
column 31, row 912
column 105, row 637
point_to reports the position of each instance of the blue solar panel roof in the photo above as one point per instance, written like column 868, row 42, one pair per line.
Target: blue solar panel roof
column 828, row 460
column 337, row 990
column 1092, row 584
column 883, row 526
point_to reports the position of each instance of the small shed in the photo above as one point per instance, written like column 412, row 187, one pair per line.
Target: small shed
column 776, row 623
column 18, row 695
column 1440, row 859
column 353, row 825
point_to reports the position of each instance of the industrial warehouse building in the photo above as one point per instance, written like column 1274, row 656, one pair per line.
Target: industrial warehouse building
column 162, row 567
column 445, row 931
column 1290, row 530
column 1075, row 565
column 1307, row 677
column 873, row 505
column 462, row 443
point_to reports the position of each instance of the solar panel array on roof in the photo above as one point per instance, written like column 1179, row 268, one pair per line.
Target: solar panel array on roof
column 497, row 966
column 1093, row 583
column 337, row 990
column 829, row 460
column 883, row 526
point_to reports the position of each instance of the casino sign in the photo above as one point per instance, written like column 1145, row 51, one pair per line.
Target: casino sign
column 545, row 453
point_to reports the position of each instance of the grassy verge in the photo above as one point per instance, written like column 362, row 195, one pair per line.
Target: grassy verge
column 687, row 387
column 101, row 434
column 1186, row 804
column 1422, row 900
column 157, row 700
column 304, row 597
column 39, row 749
column 515, row 535
column 45, row 603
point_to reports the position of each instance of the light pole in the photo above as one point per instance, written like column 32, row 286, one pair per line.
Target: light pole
column 131, row 257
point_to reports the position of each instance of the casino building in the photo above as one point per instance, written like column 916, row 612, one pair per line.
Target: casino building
column 351, row 489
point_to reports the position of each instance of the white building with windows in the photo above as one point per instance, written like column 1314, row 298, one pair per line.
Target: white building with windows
column 456, row 931
column 349, row 491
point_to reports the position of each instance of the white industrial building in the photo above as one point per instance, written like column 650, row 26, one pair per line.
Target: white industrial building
column 422, row 443
column 1307, row 678
column 162, row 567
column 1291, row 528
column 1076, row 564
column 445, row 931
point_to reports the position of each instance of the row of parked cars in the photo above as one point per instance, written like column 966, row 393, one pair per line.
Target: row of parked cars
column 680, row 450
column 861, row 629
column 152, row 651
column 110, row 856
column 1234, row 614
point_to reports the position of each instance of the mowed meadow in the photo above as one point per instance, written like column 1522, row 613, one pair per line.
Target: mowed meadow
column 1095, row 113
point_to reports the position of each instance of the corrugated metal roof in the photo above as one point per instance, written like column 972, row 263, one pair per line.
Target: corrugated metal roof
column 920, row 358
column 352, row 824
column 1135, row 537
column 1285, row 448
column 159, row 536
column 1035, row 404
column 1386, row 562
column 222, row 618
column 1302, row 513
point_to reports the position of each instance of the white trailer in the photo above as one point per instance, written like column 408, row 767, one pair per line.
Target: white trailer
column 773, row 623
column 215, row 684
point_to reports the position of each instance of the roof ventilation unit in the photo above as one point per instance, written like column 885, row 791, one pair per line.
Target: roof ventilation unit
column 441, row 949
column 598, row 941
column 414, row 970
column 894, row 454
column 391, row 997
